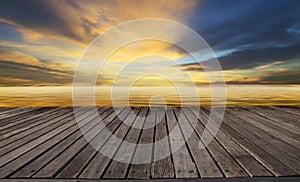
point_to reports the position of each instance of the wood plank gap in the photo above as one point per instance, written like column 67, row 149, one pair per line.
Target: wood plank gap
column 246, row 141
column 38, row 162
column 100, row 162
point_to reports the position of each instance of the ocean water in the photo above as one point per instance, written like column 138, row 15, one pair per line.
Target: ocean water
column 236, row 95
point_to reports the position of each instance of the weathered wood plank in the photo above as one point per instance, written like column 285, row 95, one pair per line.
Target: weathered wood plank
column 39, row 113
column 253, row 120
column 27, row 112
column 275, row 140
column 163, row 168
column 205, row 163
column 245, row 179
column 97, row 166
column 58, row 121
column 287, row 131
column 203, row 159
column 120, row 169
column 17, row 134
column 143, row 171
column 56, row 165
column 291, row 110
column 286, row 120
column 288, row 160
column 229, row 166
column 23, row 112
column 74, row 168
column 36, row 151
column 245, row 160
column 183, row 163
column 11, row 111
column 28, row 146
column 23, row 124
column 5, row 109
column 48, row 143
column 237, row 132
column 49, row 154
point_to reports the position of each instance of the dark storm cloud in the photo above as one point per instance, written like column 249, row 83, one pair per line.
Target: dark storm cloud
column 244, row 34
column 249, row 34
column 249, row 59
column 37, row 15
column 35, row 74
column 291, row 77
column 227, row 24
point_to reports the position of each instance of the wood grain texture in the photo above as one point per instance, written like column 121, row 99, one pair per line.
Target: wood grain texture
column 49, row 143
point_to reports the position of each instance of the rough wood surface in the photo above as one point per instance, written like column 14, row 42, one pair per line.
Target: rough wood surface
column 48, row 143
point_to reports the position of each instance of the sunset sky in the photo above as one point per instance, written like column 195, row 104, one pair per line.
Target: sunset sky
column 256, row 41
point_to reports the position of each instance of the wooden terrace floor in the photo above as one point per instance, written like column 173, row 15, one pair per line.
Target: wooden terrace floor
column 252, row 142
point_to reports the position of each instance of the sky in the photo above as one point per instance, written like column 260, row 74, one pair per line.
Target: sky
column 255, row 41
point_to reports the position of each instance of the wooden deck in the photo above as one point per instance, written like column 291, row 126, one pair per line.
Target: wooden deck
column 252, row 142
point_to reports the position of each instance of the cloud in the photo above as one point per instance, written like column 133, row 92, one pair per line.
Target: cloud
column 251, row 59
column 41, row 41
column 269, row 65
column 244, row 23
column 294, row 30
column 248, row 59
column 83, row 20
column 272, row 65
column 53, row 35
column 31, row 75
column 44, row 17
column 18, row 57
column 282, row 77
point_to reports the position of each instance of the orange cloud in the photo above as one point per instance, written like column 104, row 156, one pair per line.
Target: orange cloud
column 14, row 80
column 269, row 65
